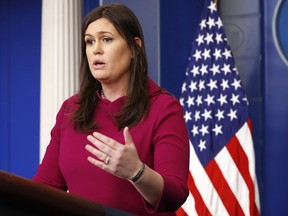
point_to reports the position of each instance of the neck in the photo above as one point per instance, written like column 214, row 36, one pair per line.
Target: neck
column 111, row 95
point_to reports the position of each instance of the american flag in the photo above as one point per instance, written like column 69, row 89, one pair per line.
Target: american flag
column 222, row 179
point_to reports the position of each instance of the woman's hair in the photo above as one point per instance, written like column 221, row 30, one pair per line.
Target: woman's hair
column 137, row 103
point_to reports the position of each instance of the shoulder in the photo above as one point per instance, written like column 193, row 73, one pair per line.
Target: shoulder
column 71, row 103
column 161, row 100
column 73, row 99
column 67, row 108
column 165, row 102
column 164, row 96
column 156, row 92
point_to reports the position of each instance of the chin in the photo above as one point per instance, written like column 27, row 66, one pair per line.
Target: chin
column 97, row 76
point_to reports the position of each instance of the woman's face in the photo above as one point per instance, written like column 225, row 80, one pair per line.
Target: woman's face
column 108, row 54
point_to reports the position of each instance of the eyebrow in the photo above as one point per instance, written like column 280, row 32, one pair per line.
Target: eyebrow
column 100, row 33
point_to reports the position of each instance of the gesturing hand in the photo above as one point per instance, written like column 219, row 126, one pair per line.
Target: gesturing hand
column 118, row 159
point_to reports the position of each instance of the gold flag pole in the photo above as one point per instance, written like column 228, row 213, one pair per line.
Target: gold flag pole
column 216, row 2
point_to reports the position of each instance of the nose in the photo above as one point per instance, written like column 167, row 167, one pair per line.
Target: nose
column 97, row 49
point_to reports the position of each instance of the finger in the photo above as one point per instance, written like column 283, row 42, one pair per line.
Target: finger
column 104, row 139
column 96, row 162
column 99, row 164
column 100, row 155
column 127, row 136
column 100, row 145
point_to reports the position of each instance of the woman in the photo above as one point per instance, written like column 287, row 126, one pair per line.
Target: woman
column 122, row 140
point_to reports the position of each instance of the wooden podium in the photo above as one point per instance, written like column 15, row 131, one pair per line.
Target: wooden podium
column 20, row 196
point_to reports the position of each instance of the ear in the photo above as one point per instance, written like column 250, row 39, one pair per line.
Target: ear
column 138, row 41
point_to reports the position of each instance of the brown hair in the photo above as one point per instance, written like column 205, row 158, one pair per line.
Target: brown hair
column 137, row 103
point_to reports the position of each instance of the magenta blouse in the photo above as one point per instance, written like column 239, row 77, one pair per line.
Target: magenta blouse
column 161, row 140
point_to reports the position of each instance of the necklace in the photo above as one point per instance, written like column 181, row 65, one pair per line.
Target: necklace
column 102, row 94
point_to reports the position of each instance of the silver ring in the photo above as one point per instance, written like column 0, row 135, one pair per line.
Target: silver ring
column 107, row 159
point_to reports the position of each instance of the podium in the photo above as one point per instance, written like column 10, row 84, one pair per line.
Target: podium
column 20, row 196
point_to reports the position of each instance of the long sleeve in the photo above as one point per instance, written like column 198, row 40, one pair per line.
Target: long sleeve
column 161, row 141
column 48, row 171
column 171, row 151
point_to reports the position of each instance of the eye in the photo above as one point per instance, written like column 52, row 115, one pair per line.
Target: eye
column 89, row 42
column 107, row 39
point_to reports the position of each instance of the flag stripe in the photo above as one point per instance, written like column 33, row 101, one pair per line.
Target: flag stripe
column 235, row 181
column 205, row 186
column 247, row 145
column 241, row 160
column 228, row 198
column 189, row 206
column 216, row 112
column 199, row 205
column 181, row 212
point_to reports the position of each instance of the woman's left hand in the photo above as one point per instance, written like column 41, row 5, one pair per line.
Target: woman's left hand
column 118, row 159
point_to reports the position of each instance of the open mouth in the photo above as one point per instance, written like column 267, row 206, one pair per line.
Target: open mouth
column 98, row 64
